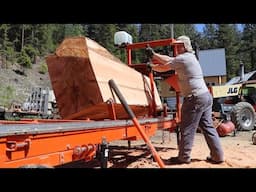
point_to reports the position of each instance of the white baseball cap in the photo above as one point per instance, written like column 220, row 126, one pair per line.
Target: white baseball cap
column 187, row 43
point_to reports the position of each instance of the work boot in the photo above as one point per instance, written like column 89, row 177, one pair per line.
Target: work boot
column 210, row 160
column 177, row 161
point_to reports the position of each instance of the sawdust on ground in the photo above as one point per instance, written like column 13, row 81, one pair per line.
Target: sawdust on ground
column 239, row 152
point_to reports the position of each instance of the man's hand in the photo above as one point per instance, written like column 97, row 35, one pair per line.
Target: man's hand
column 149, row 52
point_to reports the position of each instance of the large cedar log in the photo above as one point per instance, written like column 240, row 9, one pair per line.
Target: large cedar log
column 80, row 70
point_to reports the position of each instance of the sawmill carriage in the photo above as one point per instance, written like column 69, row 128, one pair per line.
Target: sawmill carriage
column 100, row 100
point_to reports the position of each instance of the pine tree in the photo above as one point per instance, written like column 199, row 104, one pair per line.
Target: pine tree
column 209, row 40
column 58, row 33
column 6, row 47
column 228, row 38
column 72, row 30
column 247, row 51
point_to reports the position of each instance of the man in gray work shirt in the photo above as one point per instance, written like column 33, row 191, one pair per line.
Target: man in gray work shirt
column 196, row 109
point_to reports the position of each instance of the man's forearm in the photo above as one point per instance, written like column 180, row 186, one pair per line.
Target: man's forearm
column 162, row 59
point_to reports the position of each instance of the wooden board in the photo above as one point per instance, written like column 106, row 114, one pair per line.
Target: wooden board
column 80, row 70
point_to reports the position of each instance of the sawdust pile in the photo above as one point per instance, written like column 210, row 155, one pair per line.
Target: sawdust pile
column 239, row 153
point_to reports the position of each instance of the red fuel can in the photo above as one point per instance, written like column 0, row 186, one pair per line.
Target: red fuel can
column 225, row 128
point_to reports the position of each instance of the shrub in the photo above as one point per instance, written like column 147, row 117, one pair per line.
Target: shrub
column 43, row 68
column 24, row 60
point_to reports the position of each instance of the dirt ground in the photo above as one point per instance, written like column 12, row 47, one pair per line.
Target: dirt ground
column 239, row 152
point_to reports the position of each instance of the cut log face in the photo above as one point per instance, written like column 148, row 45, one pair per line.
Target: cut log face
column 80, row 70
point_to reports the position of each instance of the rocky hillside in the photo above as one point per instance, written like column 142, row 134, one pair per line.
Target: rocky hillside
column 16, row 84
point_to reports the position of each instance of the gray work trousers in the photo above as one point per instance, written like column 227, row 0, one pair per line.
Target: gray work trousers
column 196, row 112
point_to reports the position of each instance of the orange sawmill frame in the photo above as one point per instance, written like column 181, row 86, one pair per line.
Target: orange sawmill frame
column 171, row 80
column 51, row 143
column 62, row 146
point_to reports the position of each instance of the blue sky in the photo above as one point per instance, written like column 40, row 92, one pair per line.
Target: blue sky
column 199, row 27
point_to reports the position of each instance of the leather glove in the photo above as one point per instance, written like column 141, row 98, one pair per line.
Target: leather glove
column 149, row 52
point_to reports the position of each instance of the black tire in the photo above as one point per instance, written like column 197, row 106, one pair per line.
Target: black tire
column 243, row 116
